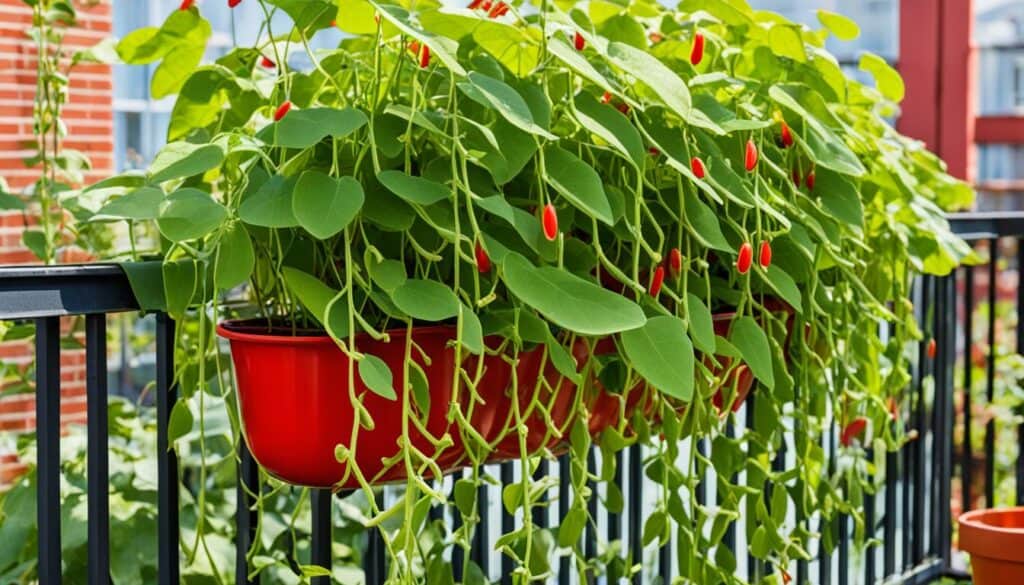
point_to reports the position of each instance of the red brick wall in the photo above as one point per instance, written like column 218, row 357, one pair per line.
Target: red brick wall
column 89, row 118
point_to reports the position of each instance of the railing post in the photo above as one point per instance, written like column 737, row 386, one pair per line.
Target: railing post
column 48, row 448
column 167, row 460
column 246, row 518
column 98, row 468
column 322, row 534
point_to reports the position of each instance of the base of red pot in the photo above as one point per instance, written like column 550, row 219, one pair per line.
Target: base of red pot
column 995, row 541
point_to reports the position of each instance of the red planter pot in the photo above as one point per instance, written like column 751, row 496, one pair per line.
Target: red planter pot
column 995, row 541
column 294, row 403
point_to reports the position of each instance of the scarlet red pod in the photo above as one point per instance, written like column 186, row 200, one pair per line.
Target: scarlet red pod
column 233, row 3
column 745, row 258
column 606, row 98
column 855, row 429
column 655, row 37
column 796, row 177
column 894, row 408
column 932, row 348
column 483, row 261
column 550, row 222
column 497, row 10
column 809, row 181
column 186, row 4
column 424, row 57
column 656, row 281
column 675, row 261
column 697, row 52
column 765, row 255
column 475, row 4
column 786, row 135
column 750, row 157
column 697, row 166
column 653, row 151
column 624, row 108
column 267, row 62
column 282, row 111
column 579, row 42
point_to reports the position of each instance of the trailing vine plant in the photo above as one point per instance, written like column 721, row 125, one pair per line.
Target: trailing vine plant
column 616, row 215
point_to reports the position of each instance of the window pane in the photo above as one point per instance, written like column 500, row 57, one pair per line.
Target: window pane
column 999, row 30
column 1001, row 174
column 878, row 19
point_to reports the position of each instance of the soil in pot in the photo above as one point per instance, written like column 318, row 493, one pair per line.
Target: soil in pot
column 995, row 541
column 295, row 406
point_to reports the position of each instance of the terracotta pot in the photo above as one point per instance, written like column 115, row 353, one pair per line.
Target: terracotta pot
column 294, row 404
column 995, row 541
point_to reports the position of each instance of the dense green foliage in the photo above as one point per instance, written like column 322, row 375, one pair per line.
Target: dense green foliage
column 430, row 136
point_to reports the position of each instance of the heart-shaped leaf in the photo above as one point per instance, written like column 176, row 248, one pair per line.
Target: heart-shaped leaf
column 578, row 182
column 752, row 344
column 418, row 190
column 376, row 375
column 188, row 214
column 325, row 205
column 662, row 353
column 427, row 300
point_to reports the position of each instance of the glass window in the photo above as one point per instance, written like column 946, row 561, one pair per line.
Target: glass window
column 999, row 31
column 1000, row 177
column 878, row 19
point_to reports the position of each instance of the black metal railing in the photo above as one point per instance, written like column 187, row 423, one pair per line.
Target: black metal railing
column 910, row 512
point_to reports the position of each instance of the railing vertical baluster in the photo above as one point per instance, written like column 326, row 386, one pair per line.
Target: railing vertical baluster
column 917, row 533
column 48, row 448
column 507, row 520
column 614, row 519
column 944, row 428
column 322, row 533
column 373, row 562
column 990, row 377
column 98, row 468
column 825, row 557
column 892, row 465
column 966, row 456
column 753, row 563
column 481, row 551
column 564, row 480
column 844, row 549
column 540, row 512
column 246, row 516
column 437, row 513
column 590, row 544
column 635, row 512
column 1019, row 475
column 167, row 459
column 870, row 531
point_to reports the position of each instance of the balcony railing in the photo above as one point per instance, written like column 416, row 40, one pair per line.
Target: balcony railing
column 910, row 513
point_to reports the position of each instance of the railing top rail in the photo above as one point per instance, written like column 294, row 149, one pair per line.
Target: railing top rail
column 980, row 225
column 28, row 292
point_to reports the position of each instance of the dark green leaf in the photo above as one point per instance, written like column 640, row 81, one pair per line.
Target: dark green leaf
column 188, row 214
column 426, row 300
column 578, row 182
column 376, row 375
column 325, row 205
column 662, row 353
column 752, row 344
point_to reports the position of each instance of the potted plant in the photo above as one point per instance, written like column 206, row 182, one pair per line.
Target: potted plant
column 467, row 235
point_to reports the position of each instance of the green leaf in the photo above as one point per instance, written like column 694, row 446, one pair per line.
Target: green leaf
column 578, row 63
column 271, row 204
column 844, row 28
column 840, row 197
column 786, row 41
column 317, row 298
column 180, row 423
column 189, row 214
column 888, row 80
column 147, row 282
column 356, row 17
column 578, row 182
column 759, row 545
column 648, row 70
column 176, row 67
column 571, row 528
column 325, row 205
column 752, row 344
column 140, row 204
column 782, row 283
column 184, row 159
column 824, row 147
column 593, row 310
column 505, row 100
column 308, row 14
column 705, row 224
column 446, row 50
column 180, row 285
column 417, row 190
column 661, row 352
column 701, row 326
column 513, row 46
column 611, row 126
column 235, row 258
column 470, row 331
column 376, row 375
column 387, row 274
column 561, row 358
column 304, row 128
column 427, row 300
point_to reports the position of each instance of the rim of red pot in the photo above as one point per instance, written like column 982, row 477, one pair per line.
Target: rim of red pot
column 982, row 533
column 234, row 330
